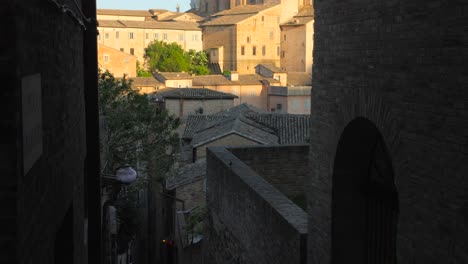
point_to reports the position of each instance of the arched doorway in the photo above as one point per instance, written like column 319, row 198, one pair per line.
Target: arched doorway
column 364, row 198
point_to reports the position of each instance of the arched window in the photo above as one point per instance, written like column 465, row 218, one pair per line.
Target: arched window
column 364, row 198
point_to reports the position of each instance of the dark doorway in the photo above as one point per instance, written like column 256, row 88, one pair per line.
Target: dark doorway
column 64, row 240
column 364, row 198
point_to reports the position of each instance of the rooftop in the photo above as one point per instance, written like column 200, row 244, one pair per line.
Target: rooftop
column 150, row 24
column 191, row 93
column 173, row 75
column 121, row 12
column 288, row 128
column 299, row 78
column 235, row 15
column 145, row 81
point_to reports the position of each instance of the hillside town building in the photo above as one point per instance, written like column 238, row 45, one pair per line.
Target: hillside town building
column 131, row 31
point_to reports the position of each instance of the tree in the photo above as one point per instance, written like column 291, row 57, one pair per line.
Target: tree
column 136, row 130
column 136, row 133
column 198, row 61
column 141, row 72
column 170, row 57
column 166, row 57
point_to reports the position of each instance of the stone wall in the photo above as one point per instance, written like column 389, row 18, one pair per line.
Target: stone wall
column 285, row 167
column 402, row 66
column 249, row 221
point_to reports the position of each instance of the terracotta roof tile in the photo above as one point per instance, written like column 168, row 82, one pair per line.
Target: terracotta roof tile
column 191, row 93
column 121, row 12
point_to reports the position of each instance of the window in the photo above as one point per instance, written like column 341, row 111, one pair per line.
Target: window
column 307, row 104
column 254, row 50
column 277, row 50
column 284, row 37
column 156, row 36
column 194, row 37
column 283, row 53
column 131, row 35
column 242, row 50
column 263, row 50
column 116, row 34
column 107, row 35
column 279, row 107
column 263, row 18
column 165, row 36
column 272, row 34
column 122, row 49
column 181, row 37
column 147, row 36
column 132, row 51
column 248, row 39
column 252, row 92
column 106, row 58
column 294, row 105
column 126, row 60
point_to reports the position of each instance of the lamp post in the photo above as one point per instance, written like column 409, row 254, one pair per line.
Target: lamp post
column 124, row 175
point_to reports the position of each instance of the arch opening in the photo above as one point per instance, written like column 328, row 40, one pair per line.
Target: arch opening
column 364, row 198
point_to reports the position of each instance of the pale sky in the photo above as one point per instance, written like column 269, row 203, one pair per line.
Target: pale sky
column 144, row 4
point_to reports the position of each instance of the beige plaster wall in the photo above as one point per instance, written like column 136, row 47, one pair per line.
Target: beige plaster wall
column 116, row 62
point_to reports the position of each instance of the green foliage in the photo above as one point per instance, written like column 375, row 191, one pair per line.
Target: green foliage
column 226, row 73
column 141, row 72
column 170, row 57
column 137, row 133
column 195, row 220
column 166, row 57
column 135, row 130
column 198, row 62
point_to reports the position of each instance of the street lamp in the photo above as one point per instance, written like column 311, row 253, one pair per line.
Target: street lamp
column 125, row 175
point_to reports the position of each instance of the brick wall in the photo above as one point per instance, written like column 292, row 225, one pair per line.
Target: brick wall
column 46, row 42
column 285, row 167
column 402, row 66
column 249, row 221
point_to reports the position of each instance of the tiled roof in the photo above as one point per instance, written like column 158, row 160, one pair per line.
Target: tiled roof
column 218, row 79
column 235, row 15
column 186, row 174
column 246, row 79
column 174, row 75
column 288, row 128
column 110, row 23
column 197, row 122
column 145, row 81
column 150, row 24
column 244, row 9
column 185, row 25
column 227, row 20
column 291, row 129
column 215, row 79
column 120, row 12
column 242, row 109
column 235, row 125
column 299, row 78
column 191, row 93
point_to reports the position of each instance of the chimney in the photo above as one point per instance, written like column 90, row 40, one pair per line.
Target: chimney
column 178, row 8
column 234, row 76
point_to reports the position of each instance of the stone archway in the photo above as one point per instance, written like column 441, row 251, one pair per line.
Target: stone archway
column 364, row 198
